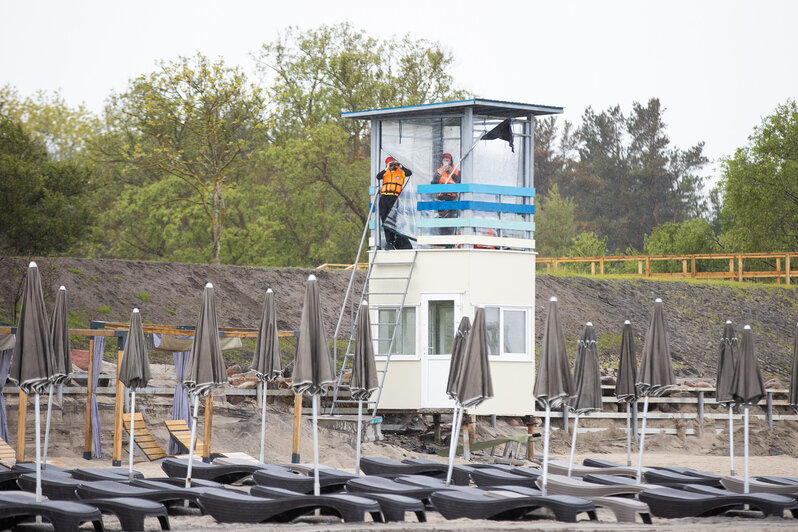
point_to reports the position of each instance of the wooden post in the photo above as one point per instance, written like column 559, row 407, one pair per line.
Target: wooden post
column 787, row 268
column 692, row 266
column 89, row 390
column 601, row 265
column 548, row 267
column 640, row 267
column 436, row 428
column 466, row 437
column 22, row 420
column 206, row 450
column 684, row 266
column 555, row 265
column 731, row 266
column 119, row 407
column 740, row 268
column 778, row 270
column 592, row 268
column 297, row 426
column 648, row 267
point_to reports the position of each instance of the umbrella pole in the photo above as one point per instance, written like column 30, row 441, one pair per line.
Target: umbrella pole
column 47, row 427
column 316, row 487
column 453, row 444
column 628, row 435
column 642, row 442
column 359, row 432
column 38, row 452
column 546, row 450
column 745, row 445
column 132, row 430
column 193, row 441
column 731, row 439
column 573, row 445
column 263, row 423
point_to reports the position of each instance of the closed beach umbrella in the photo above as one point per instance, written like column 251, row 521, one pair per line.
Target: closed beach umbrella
column 266, row 362
column 33, row 364
column 364, row 371
column 314, row 371
column 62, row 355
column 727, row 358
column 747, row 385
column 793, row 399
column 587, row 379
column 474, row 384
column 554, row 387
column 455, row 363
column 134, row 371
column 656, row 370
column 625, row 386
column 206, row 369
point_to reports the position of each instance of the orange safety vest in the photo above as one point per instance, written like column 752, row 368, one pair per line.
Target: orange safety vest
column 392, row 182
column 446, row 179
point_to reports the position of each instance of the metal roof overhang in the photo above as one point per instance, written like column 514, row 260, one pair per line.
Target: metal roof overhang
column 480, row 107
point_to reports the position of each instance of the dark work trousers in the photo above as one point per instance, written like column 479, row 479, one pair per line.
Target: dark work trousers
column 392, row 240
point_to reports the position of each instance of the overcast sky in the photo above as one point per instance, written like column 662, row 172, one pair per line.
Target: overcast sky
column 718, row 67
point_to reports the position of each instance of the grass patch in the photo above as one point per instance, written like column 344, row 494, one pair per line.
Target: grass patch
column 144, row 296
column 171, row 312
column 104, row 310
column 75, row 271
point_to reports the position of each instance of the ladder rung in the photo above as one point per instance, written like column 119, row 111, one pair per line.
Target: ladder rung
column 387, row 278
column 384, row 293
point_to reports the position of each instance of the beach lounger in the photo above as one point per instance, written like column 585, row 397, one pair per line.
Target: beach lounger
column 498, row 477
column 690, row 472
column 673, row 503
column 782, row 481
column 625, row 509
column 558, row 467
column 375, row 484
column 393, row 507
column 103, row 473
column 461, row 474
column 385, row 467
column 665, row 477
column 181, row 432
column 226, row 474
column 109, row 489
column 562, row 485
column 8, row 456
column 143, row 439
column 228, row 506
column 65, row 516
column 474, row 503
column 330, row 480
column 737, row 485
column 612, row 480
column 129, row 511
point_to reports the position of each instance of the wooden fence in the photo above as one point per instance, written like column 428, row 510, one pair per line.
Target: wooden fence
column 775, row 265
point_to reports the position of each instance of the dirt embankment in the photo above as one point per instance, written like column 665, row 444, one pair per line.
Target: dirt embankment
column 107, row 290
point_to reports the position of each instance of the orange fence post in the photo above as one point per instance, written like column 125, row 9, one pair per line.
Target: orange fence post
column 740, row 267
column 692, row 265
column 787, row 268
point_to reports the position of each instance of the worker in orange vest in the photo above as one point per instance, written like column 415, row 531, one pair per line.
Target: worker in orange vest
column 446, row 174
column 392, row 182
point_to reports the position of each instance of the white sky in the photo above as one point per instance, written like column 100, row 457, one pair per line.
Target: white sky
column 718, row 66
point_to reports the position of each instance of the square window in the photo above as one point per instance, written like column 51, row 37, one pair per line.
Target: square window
column 405, row 341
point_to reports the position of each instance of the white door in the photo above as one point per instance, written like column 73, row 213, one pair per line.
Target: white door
column 440, row 315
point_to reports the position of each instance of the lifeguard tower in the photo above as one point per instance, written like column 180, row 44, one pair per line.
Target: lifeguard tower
column 471, row 243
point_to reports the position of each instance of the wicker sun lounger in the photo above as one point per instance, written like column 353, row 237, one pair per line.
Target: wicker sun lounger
column 498, row 477
column 103, row 473
column 65, row 516
column 168, row 496
column 129, row 511
column 562, row 485
column 226, row 474
column 461, row 474
column 330, row 480
column 612, row 480
column 228, row 506
column 373, row 484
column 782, row 481
column 625, row 509
column 737, row 485
column 666, row 477
column 474, row 503
column 385, row 467
column 393, row 507
column 673, row 503
column 558, row 467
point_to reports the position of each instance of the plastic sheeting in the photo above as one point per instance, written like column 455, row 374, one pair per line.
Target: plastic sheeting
column 180, row 404
column 96, row 426
column 5, row 363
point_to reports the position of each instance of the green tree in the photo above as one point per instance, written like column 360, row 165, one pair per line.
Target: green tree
column 588, row 244
column 184, row 131
column 691, row 237
column 43, row 207
column 555, row 224
column 760, row 187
